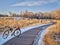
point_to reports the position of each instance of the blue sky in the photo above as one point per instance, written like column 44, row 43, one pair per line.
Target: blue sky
column 31, row 5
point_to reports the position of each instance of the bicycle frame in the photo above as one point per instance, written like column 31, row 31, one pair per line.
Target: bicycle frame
column 14, row 31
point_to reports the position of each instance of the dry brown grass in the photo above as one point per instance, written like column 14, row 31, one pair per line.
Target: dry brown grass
column 26, row 22
column 31, row 22
column 49, row 38
column 9, row 21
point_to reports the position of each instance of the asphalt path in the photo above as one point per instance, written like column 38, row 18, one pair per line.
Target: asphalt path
column 27, row 38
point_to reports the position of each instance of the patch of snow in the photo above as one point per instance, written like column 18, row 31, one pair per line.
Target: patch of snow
column 22, row 30
column 43, row 33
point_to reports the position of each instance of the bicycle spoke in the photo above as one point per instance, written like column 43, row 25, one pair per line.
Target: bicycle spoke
column 17, row 32
column 5, row 34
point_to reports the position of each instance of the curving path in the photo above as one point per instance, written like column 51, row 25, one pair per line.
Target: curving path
column 27, row 38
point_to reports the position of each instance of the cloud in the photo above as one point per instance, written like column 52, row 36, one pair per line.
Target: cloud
column 27, row 3
column 34, row 3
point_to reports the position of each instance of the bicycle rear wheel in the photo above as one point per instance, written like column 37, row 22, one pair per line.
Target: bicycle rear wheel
column 5, row 34
column 17, row 32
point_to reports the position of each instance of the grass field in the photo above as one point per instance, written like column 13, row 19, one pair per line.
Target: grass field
column 48, row 39
column 22, row 23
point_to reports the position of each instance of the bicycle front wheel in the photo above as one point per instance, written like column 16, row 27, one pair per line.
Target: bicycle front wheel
column 17, row 32
column 5, row 34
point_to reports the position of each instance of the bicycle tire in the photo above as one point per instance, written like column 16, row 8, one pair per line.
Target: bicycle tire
column 18, row 31
column 5, row 34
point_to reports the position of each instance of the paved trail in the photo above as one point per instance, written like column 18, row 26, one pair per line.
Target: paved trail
column 27, row 38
